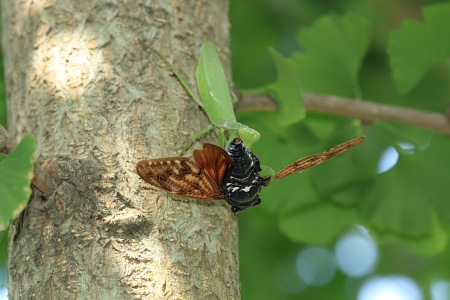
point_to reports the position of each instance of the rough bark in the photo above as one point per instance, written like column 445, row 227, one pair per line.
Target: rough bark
column 79, row 80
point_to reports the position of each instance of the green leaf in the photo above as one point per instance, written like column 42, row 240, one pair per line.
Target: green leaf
column 317, row 224
column 334, row 50
column 213, row 87
column 429, row 244
column 267, row 122
column 343, row 179
column 286, row 91
column 317, row 205
column 16, row 171
column 406, row 199
column 276, row 154
column 416, row 47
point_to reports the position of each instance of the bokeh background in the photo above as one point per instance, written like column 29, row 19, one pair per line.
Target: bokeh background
column 363, row 261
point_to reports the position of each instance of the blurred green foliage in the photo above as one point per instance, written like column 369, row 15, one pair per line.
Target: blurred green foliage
column 391, row 52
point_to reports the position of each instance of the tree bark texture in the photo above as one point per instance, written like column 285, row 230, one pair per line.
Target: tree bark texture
column 81, row 82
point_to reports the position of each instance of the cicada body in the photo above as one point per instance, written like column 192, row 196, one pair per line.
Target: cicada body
column 231, row 174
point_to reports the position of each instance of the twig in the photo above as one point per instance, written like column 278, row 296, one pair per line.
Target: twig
column 41, row 179
column 365, row 110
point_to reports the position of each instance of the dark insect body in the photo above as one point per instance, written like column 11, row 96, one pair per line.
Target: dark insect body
column 243, row 186
column 216, row 174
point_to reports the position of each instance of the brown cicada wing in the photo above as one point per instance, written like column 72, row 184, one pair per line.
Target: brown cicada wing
column 200, row 179
column 315, row 159
column 215, row 162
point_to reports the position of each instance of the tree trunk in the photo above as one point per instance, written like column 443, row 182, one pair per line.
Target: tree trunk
column 81, row 82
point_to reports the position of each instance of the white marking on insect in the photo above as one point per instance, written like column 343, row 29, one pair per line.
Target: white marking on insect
column 247, row 189
column 234, row 189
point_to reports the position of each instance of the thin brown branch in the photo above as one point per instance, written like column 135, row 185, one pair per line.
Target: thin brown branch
column 365, row 110
column 41, row 179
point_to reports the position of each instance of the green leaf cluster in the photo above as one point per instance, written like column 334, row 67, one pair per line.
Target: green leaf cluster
column 332, row 200
column 329, row 198
column 391, row 54
column 348, row 190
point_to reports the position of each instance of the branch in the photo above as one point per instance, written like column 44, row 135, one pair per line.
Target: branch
column 365, row 110
column 41, row 179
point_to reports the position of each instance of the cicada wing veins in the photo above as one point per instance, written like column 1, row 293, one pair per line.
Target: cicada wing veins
column 179, row 176
column 199, row 179
column 316, row 159
column 215, row 162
